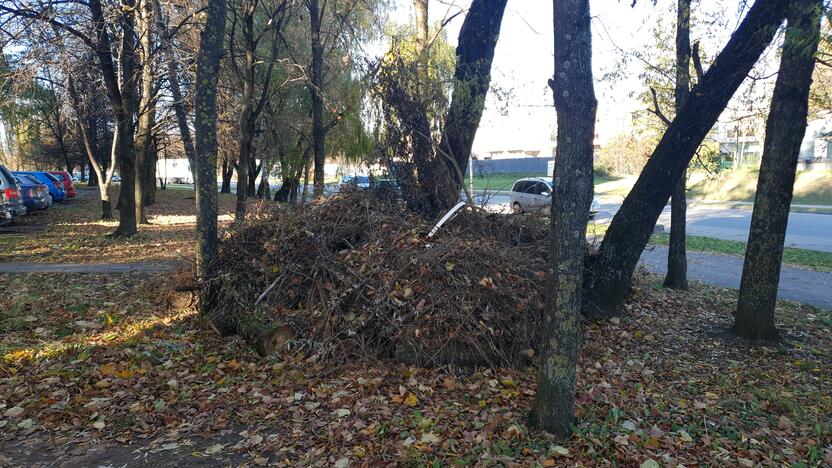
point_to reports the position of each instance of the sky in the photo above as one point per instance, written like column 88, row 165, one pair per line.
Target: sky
column 524, row 60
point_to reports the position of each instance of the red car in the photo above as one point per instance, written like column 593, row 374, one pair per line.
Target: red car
column 66, row 179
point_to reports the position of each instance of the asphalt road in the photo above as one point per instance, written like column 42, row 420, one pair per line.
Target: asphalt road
column 796, row 284
column 805, row 230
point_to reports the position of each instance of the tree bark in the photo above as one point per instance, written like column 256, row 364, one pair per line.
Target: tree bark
column 631, row 227
column 205, row 124
column 122, row 101
column 147, row 106
column 573, row 188
column 316, row 90
column 175, row 88
column 677, row 261
column 150, row 172
column 227, row 172
column 785, row 129
column 474, row 55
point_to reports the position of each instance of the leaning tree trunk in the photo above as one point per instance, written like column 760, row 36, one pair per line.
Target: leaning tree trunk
column 631, row 227
column 474, row 55
column 573, row 186
column 785, row 128
column 677, row 261
column 205, row 126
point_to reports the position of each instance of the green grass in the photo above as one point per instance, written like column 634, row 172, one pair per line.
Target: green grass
column 812, row 259
column 504, row 181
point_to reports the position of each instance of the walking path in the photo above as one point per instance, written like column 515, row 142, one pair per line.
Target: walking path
column 95, row 268
column 796, row 284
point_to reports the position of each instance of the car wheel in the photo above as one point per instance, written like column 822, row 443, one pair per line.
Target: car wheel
column 517, row 208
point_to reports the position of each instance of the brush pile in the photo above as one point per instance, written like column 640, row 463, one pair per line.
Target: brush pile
column 356, row 277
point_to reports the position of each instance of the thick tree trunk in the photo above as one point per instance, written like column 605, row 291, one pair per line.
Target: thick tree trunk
column 147, row 107
column 316, row 90
column 205, row 125
column 474, row 55
column 122, row 101
column 677, row 261
column 632, row 225
column 573, row 187
column 785, row 128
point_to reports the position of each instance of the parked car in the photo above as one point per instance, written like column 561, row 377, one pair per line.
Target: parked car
column 66, row 180
column 6, row 214
column 35, row 194
column 535, row 194
column 55, row 186
column 10, row 193
column 359, row 182
column 387, row 189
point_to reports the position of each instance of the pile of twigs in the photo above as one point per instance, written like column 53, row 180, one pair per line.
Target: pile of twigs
column 355, row 276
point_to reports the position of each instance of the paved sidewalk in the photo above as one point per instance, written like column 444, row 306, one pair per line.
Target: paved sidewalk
column 104, row 268
column 796, row 284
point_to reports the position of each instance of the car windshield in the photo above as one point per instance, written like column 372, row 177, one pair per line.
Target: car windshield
column 362, row 180
column 346, row 179
column 60, row 177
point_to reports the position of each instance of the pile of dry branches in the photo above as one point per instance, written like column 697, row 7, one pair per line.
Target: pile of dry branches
column 355, row 276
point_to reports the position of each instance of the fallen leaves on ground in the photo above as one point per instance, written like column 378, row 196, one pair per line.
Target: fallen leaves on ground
column 95, row 371
column 656, row 386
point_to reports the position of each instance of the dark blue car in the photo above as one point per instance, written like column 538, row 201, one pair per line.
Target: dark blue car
column 55, row 186
column 35, row 194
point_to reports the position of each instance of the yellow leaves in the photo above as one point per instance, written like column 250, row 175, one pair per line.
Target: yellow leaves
column 411, row 400
column 108, row 370
column 233, row 365
column 449, row 266
column 104, row 383
column 652, row 443
column 112, row 370
column 487, row 282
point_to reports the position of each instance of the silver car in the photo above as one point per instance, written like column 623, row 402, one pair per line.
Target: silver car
column 535, row 194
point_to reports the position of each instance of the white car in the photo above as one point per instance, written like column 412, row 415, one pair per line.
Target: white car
column 535, row 194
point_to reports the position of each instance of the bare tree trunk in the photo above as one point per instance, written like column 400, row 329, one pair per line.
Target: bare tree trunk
column 573, row 187
column 147, row 105
column 253, row 173
column 150, row 172
column 785, row 128
column 474, row 54
column 631, row 227
column 205, row 125
column 227, row 172
column 175, row 88
column 305, row 181
column 677, row 261
column 316, row 89
column 122, row 101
